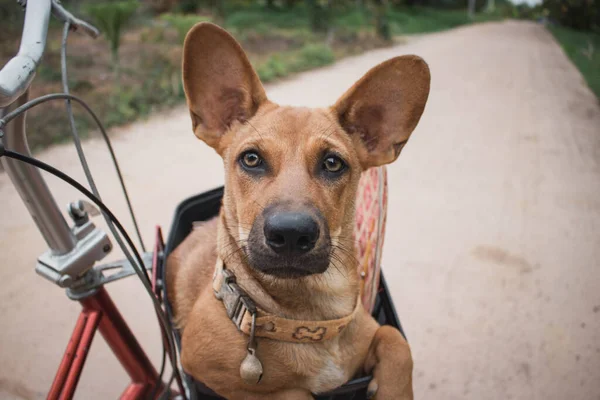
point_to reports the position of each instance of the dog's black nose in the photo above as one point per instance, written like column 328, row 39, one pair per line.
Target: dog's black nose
column 291, row 232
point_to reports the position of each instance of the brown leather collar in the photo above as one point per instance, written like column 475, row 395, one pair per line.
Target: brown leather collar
column 241, row 309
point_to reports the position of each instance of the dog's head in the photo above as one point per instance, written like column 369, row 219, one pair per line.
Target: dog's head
column 292, row 173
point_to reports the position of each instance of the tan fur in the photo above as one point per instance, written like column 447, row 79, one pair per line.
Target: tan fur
column 368, row 126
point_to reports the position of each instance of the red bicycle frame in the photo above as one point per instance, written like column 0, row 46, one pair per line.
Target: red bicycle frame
column 99, row 312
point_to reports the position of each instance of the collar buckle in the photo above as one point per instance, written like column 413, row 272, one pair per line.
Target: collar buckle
column 236, row 300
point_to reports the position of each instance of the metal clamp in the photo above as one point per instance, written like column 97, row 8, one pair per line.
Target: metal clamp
column 99, row 276
column 92, row 245
column 236, row 300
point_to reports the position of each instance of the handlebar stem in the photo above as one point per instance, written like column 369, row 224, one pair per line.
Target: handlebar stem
column 31, row 186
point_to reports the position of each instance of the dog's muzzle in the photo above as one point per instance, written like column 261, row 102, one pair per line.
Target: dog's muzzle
column 289, row 241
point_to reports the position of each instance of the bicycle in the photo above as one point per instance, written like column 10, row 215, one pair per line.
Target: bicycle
column 74, row 252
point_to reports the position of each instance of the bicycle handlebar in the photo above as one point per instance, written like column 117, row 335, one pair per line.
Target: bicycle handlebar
column 17, row 74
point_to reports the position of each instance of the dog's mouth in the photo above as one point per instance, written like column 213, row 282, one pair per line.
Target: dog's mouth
column 286, row 268
column 286, row 273
column 289, row 243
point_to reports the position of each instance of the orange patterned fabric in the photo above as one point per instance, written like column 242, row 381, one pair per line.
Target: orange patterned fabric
column 371, row 211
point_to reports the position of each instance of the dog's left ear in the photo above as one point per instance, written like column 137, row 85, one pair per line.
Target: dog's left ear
column 383, row 108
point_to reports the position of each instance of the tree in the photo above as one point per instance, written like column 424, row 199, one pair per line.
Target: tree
column 577, row 14
column 381, row 22
column 319, row 15
column 111, row 18
column 471, row 9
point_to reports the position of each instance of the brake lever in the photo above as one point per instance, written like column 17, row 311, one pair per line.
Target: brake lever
column 61, row 13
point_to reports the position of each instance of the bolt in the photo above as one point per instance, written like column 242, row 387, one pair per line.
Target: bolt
column 78, row 209
column 77, row 213
column 65, row 281
column 106, row 248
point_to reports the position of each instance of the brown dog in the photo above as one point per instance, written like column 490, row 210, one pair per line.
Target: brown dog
column 285, row 229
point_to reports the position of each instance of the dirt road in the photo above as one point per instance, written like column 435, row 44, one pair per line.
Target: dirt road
column 493, row 241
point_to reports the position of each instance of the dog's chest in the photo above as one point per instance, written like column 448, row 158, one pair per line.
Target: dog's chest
column 329, row 377
column 323, row 367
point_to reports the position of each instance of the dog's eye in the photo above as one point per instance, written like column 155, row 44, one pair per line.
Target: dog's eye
column 251, row 160
column 333, row 164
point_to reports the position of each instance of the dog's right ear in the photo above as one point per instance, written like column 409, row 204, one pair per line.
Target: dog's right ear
column 221, row 87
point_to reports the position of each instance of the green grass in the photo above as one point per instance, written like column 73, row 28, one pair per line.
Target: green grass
column 403, row 20
column 583, row 48
column 280, row 65
column 259, row 18
column 423, row 20
column 408, row 21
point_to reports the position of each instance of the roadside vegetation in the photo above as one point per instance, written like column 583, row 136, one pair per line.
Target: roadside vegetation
column 134, row 68
column 576, row 26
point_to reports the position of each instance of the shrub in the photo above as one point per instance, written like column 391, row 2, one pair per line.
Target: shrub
column 419, row 20
column 576, row 14
column 583, row 48
column 353, row 21
column 308, row 57
column 187, row 6
column 250, row 18
column 319, row 15
column 111, row 18
column 312, row 56
column 183, row 23
column 275, row 67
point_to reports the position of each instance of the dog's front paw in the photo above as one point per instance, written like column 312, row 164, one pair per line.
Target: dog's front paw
column 372, row 389
column 390, row 385
column 390, row 363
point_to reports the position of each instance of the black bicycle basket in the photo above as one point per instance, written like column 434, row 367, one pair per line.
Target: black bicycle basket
column 205, row 206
